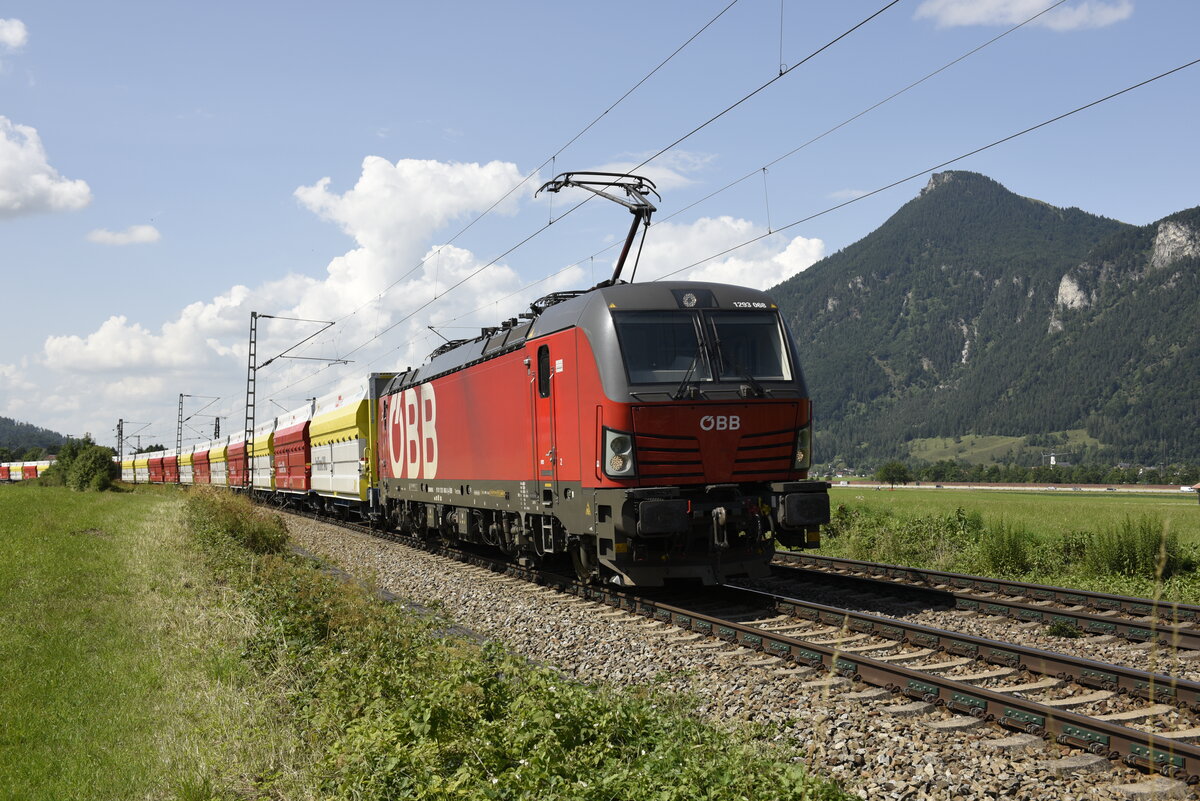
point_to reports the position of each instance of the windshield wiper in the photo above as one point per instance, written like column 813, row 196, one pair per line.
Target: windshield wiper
column 681, row 392
column 756, row 387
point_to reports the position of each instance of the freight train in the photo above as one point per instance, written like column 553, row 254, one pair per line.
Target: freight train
column 644, row 434
column 649, row 433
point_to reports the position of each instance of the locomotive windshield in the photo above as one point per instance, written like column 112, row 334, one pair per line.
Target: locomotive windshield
column 662, row 346
column 702, row 346
column 749, row 344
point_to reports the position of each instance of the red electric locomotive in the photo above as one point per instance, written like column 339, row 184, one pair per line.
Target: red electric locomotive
column 651, row 433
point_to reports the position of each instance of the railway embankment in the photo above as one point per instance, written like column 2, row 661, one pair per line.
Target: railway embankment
column 879, row 746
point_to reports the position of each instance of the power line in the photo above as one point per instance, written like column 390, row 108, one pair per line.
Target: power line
column 692, row 132
column 837, row 127
column 927, row 170
column 548, row 160
column 647, row 161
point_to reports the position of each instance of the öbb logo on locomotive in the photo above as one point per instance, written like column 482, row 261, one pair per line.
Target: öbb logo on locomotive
column 412, row 433
column 720, row 422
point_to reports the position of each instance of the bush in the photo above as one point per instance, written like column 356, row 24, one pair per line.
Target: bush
column 221, row 518
column 1143, row 548
column 395, row 708
column 93, row 468
column 1005, row 550
column 82, row 465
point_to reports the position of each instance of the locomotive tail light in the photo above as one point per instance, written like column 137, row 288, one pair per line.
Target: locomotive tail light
column 803, row 458
column 618, row 454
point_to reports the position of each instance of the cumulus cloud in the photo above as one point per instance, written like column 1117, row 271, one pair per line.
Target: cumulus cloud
column 13, row 34
column 1073, row 16
column 28, row 184
column 380, row 291
column 764, row 264
column 133, row 235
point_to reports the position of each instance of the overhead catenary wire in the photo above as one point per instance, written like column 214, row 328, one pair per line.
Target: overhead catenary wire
column 928, row 170
column 659, row 153
column 550, row 159
column 841, row 124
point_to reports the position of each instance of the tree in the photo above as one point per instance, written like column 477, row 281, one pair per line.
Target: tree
column 893, row 473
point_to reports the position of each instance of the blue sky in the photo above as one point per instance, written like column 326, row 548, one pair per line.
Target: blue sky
column 167, row 167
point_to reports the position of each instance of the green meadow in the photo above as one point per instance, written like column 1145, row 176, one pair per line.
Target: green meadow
column 118, row 654
column 157, row 644
column 1134, row 543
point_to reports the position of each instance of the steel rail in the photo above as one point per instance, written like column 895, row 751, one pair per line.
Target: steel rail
column 939, row 579
column 1144, row 750
column 1135, row 630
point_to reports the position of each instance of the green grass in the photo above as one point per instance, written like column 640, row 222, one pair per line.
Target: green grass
column 114, row 656
column 401, row 710
column 976, row 449
column 1128, row 543
column 1038, row 511
column 152, row 648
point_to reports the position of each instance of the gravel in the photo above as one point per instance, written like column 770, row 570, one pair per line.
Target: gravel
column 873, row 753
column 1181, row 664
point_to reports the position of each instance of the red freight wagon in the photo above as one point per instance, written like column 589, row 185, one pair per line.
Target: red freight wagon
column 236, row 459
column 171, row 468
column 4, row 470
column 293, row 457
column 201, row 470
column 156, row 467
column 29, row 471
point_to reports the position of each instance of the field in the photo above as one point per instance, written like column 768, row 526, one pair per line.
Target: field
column 156, row 644
column 1037, row 511
column 975, row 449
column 1143, row 544
column 118, row 657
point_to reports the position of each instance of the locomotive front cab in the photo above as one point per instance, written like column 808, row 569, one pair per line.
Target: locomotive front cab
column 703, row 441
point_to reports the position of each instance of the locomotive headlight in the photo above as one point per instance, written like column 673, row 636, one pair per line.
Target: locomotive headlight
column 618, row 454
column 803, row 459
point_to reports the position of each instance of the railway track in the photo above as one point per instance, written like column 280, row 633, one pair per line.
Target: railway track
column 1131, row 618
column 1145, row 628
column 1103, row 712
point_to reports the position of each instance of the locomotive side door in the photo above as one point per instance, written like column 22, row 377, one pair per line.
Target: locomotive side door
column 545, row 446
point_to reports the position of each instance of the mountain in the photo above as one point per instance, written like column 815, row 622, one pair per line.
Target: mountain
column 974, row 310
column 19, row 437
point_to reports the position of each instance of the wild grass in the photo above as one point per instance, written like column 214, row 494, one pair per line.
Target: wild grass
column 1100, row 546
column 119, row 659
column 398, row 709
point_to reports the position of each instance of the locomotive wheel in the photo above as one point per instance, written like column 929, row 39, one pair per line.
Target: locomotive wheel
column 587, row 568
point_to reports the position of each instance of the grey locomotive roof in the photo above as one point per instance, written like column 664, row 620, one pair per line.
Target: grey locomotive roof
column 589, row 309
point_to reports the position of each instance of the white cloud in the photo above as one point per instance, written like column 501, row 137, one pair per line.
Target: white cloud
column 133, row 235
column 392, row 213
column 28, row 183
column 843, row 195
column 13, row 34
column 761, row 265
column 1083, row 14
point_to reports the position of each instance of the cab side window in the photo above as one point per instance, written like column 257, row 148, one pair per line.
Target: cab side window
column 543, row 370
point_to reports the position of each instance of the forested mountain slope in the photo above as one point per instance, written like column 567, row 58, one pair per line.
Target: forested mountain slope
column 974, row 310
column 18, row 436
